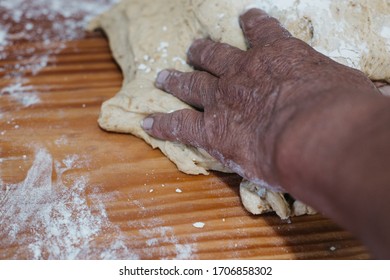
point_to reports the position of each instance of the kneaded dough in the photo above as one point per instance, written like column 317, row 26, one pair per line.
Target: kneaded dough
column 147, row 36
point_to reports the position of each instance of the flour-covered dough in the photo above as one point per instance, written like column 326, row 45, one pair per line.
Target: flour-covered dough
column 147, row 36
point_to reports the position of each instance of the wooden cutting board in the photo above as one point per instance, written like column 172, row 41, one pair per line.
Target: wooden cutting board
column 69, row 190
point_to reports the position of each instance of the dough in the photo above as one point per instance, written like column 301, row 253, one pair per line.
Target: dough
column 259, row 200
column 147, row 36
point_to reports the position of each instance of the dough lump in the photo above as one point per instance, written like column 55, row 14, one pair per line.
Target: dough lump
column 147, row 36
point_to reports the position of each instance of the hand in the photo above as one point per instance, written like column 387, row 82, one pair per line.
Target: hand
column 245, row 100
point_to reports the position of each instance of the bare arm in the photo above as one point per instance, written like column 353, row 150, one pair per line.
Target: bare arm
column 283, row 115
column 337, row 157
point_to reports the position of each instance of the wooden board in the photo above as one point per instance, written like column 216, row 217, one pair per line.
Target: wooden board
column 69, row 190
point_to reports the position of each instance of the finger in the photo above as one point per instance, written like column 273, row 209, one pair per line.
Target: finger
column 216, row 58
column 185, row 126
column 260, row 29
column 195, row 88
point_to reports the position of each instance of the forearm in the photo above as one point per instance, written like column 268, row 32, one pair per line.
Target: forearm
column 336, row 156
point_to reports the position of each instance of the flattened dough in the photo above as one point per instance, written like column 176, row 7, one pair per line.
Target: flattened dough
column 147, row 36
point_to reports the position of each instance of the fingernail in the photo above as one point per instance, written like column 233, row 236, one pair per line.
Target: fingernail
column 161, row 78
column 195, row 44
column 147, row 123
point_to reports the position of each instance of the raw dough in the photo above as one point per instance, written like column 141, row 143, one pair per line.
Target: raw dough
column 259, row 200
column 147, row 36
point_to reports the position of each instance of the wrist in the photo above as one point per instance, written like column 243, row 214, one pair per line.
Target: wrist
column 296, row 119
column 330, row 147
column 317, row 133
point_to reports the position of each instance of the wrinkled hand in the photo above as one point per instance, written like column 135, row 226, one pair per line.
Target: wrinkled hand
column 245, row 100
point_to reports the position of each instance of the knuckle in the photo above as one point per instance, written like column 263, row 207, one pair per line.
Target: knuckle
column 179, row 121
column 194, row 81
column 164, row 127
column 197, row 82
column 186, row 127
column 172, row 81
column 174, row 124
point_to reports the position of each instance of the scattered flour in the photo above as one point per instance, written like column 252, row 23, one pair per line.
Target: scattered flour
column 61, row 141
column 25, row 95
column 199, row 224
column 44, row 218
column 21, row 20
column 165, row 235
column 3, row 36
column 385, row 32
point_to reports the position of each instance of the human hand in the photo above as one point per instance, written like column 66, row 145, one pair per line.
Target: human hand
column 245, row 100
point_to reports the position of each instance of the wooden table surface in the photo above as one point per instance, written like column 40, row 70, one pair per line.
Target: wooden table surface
column 69, row 190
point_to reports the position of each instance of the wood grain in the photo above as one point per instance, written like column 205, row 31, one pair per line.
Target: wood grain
column 150, row 207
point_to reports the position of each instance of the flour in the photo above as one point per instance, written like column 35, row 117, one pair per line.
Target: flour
column 74, row 16
column 179, row 59
column 3, row 36
column 22, row 21
column 47, row 219
column 198, row 225
column 385, row 31
column 61, row 141
column 25, row 95
column 66, row 218
column 164, row 235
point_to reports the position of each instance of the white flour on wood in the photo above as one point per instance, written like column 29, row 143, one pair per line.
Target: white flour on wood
column 22, row 21
column 46, row 219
